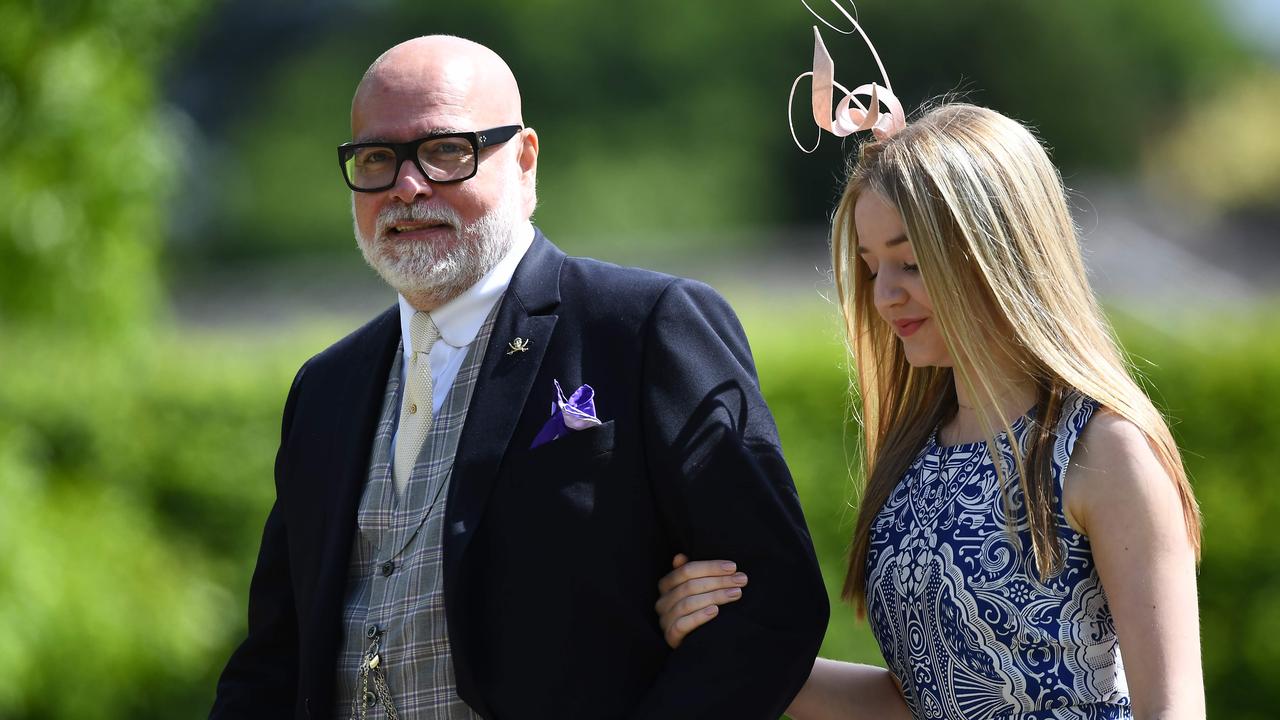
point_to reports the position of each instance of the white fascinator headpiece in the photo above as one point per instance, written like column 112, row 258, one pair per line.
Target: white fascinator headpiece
column 882, row 114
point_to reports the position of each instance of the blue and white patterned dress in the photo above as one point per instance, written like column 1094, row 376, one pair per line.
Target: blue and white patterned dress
column 955, row 601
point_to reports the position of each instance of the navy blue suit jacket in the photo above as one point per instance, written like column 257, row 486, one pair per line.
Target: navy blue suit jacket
column 552, row 554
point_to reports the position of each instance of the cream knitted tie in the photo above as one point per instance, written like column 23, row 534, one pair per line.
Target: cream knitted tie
column 415, row 409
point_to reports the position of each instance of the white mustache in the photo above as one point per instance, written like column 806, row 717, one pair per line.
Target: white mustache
column 417, row 212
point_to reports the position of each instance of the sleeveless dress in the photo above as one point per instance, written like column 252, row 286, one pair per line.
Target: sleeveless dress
column 954, row 599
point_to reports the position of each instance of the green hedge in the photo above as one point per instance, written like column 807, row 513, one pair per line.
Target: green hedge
column 134, row 487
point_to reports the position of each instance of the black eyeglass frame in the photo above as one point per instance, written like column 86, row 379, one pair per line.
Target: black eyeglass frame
column 479, row 140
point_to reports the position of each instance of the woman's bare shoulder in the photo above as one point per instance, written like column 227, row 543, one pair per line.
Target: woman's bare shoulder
column 1113, row 466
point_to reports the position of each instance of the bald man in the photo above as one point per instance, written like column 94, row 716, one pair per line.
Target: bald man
column 477, row 491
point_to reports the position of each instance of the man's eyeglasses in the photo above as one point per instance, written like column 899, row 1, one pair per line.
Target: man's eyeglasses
column 443, row 158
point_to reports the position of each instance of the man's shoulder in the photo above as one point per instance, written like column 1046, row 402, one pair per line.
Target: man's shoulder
column 591, row 274
column 359, row 345
column 608, row 287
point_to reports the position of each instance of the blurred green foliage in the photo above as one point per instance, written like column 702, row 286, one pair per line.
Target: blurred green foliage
column 89, row 154
column 135, row 488
column 663, row 123
column 1224, row 152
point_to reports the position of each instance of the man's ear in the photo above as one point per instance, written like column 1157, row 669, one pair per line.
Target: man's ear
column 528, row 151
column 528, row 162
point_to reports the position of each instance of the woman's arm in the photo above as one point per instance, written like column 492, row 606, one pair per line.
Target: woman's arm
column 1117, row 492
column 847, row 691
column 691, row 595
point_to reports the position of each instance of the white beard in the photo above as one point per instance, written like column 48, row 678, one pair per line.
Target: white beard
column 437, row 272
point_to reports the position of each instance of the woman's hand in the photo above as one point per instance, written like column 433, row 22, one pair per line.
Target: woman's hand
column 692, row 594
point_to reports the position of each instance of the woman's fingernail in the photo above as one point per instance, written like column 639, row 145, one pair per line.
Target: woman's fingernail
column 740, row 578
column 728, row 566
column 711, row 610
column 735, row 592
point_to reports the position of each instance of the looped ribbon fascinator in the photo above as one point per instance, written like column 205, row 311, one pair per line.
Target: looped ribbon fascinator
column 848, row 119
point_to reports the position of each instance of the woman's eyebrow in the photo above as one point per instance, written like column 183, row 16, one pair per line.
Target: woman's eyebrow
column 896, row 241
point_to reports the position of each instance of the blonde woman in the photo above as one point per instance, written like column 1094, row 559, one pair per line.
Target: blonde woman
column 1026, row 543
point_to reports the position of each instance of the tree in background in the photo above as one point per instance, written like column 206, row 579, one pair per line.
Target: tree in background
column 1225, row 151
column 89, row 158
column 664, row 122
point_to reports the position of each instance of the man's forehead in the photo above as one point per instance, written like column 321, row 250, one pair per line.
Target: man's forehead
column 390, row 111
column 414, row 105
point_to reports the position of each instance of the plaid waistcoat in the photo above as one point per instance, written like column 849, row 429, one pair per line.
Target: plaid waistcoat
column 395, row 582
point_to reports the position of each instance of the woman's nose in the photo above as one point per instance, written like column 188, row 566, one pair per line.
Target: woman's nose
column 887, row 293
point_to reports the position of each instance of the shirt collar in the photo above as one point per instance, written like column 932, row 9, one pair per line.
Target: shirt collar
column 459, row 320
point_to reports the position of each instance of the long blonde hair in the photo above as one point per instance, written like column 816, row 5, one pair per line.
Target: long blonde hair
column 986, row 214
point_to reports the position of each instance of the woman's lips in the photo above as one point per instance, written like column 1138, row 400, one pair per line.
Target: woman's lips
column 906, row 328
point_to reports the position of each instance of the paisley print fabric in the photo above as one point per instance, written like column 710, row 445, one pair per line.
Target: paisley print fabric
column 961, row 614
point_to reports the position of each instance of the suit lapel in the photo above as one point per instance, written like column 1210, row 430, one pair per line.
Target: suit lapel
column 503, row 386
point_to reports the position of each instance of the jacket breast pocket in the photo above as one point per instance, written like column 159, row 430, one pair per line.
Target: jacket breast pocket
column 565, row 472
column 576, row 446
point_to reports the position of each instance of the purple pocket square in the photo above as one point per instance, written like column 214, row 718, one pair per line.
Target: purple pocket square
column 578, row 412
